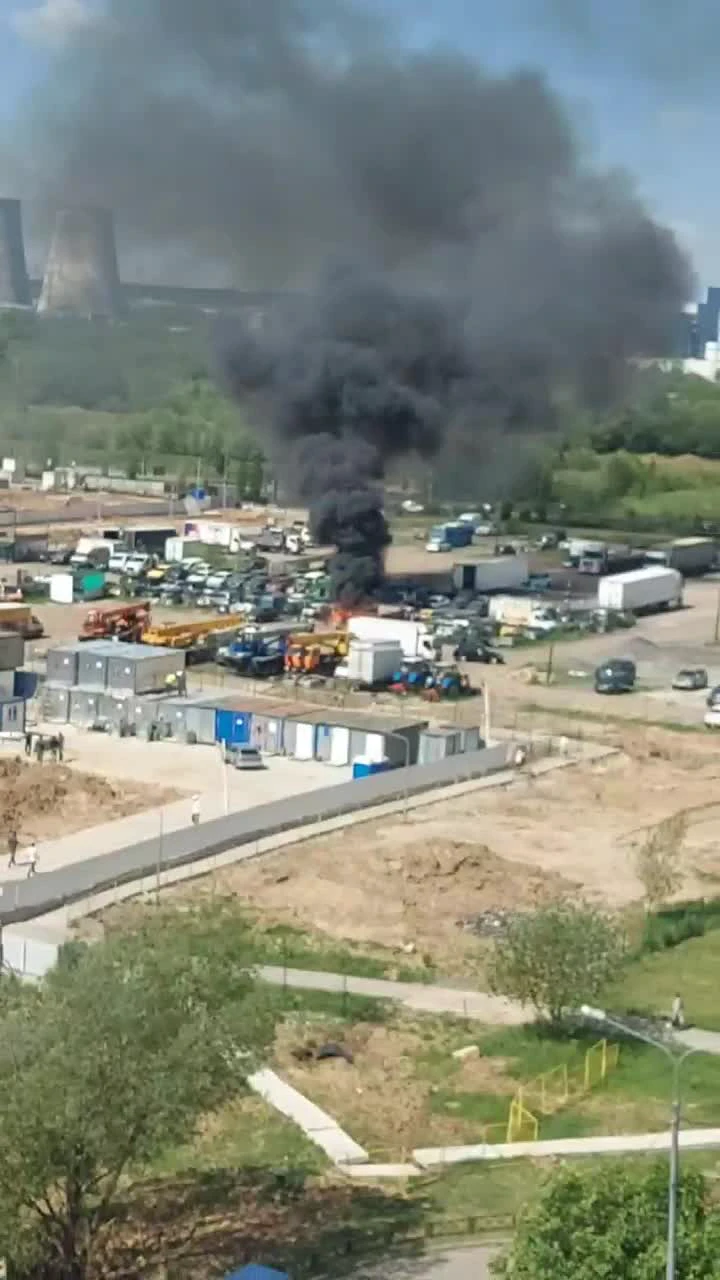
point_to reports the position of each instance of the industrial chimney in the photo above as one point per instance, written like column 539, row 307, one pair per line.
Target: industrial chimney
column 14, row 281
column 81, row 276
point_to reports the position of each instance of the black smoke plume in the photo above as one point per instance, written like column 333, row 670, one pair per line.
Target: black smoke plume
column 494, row 272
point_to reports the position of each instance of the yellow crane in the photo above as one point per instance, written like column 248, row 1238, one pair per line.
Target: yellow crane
column 183, row 635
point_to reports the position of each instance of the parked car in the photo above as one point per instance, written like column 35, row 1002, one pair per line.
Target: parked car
column 477, row 653
column 713, row 698
column 712, row 718
column 616, row 676
column 691, row 678
column 245, row 758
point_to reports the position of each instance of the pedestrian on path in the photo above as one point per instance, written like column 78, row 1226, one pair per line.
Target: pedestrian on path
column 12, row 848
column 677, row 1015
column 40, row 750
column 195, row 811
column 28, row 743
column 31, row 859
column 60, row 746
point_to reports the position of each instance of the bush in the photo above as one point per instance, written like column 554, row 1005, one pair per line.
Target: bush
column 670, row 926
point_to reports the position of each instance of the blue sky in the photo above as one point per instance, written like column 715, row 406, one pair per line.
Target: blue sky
column 662, row 127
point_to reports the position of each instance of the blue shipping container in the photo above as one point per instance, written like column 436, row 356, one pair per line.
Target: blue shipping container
column 233, row 727
column 25, row 684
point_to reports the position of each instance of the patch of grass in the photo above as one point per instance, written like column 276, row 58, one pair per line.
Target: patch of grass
column 246, row 1133
column 340, row 1004
column 652, row 981
column 296, row 949
column 470, row 1192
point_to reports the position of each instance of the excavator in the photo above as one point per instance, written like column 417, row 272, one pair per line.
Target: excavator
column 126, row 622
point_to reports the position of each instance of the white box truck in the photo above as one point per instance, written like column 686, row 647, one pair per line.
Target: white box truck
column 414, row 638
column 505, row 573
column 642, row 590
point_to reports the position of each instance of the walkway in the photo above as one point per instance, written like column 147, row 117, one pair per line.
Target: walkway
column 417, row 996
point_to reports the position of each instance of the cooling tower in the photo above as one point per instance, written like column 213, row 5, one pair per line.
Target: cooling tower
column 14, row 282
column 81, row 277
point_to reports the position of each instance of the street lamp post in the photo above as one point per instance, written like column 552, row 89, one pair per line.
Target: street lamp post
column 677, row 1060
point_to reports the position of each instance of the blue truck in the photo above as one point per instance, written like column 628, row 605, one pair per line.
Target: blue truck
column 447, row 537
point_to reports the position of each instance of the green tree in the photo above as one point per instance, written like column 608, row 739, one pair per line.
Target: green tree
column 557, row 957
column 610, row 1224
column 658, row 860
column 110, row 1061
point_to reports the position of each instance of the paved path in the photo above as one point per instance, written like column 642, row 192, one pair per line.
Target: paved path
column 421, row 997
column 703, row 1041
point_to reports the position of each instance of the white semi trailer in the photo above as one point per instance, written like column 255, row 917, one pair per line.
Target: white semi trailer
column 645, row 590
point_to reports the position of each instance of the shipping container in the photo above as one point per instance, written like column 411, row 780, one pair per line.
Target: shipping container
column 84, row 707
column 268, row 733
column 12, row 650
column 7, row 684
column 55, row 703
column 371, row 662
column 25, row 684
column 61, row 666
column 338, row 736
column 188, row 719
column 472, row 739
column 116, row 711
column 438, row 744
column 505, row 573
column 146, row 713
column 93, row 660
column 12, row 715
column 139, row 668
column 233, row 728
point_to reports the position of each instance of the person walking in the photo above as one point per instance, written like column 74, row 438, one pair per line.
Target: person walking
column 195, row 811
column 28, row 742
column 40, row 750
column 31, row 859
column 61, row 746
column 12, row 849
column 677, row 1014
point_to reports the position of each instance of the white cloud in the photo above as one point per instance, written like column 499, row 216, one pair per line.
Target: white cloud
column 53, row 22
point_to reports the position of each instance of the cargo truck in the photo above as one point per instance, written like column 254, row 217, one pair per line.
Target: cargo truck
column 688, row 555
column 447, row 537
column 414, row 638
column 645, row 590
column 506, row 573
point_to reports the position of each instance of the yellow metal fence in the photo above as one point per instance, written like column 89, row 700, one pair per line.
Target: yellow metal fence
column 552, row 1090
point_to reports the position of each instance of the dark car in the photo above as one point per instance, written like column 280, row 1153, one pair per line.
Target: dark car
column 713, row 698
column 477, row 653
column 691, row 678
column 616, row 676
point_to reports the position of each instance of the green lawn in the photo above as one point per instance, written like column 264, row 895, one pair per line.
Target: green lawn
column 691, row 968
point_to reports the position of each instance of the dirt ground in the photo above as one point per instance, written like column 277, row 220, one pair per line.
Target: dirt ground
column 384, row 1097
column 42, row 802
column 393, row 882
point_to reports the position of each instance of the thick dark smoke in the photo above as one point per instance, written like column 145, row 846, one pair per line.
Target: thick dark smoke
column 492, row 271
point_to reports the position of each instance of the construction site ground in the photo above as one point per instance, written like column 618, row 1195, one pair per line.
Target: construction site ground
column 408, row 883
column 42, row 802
